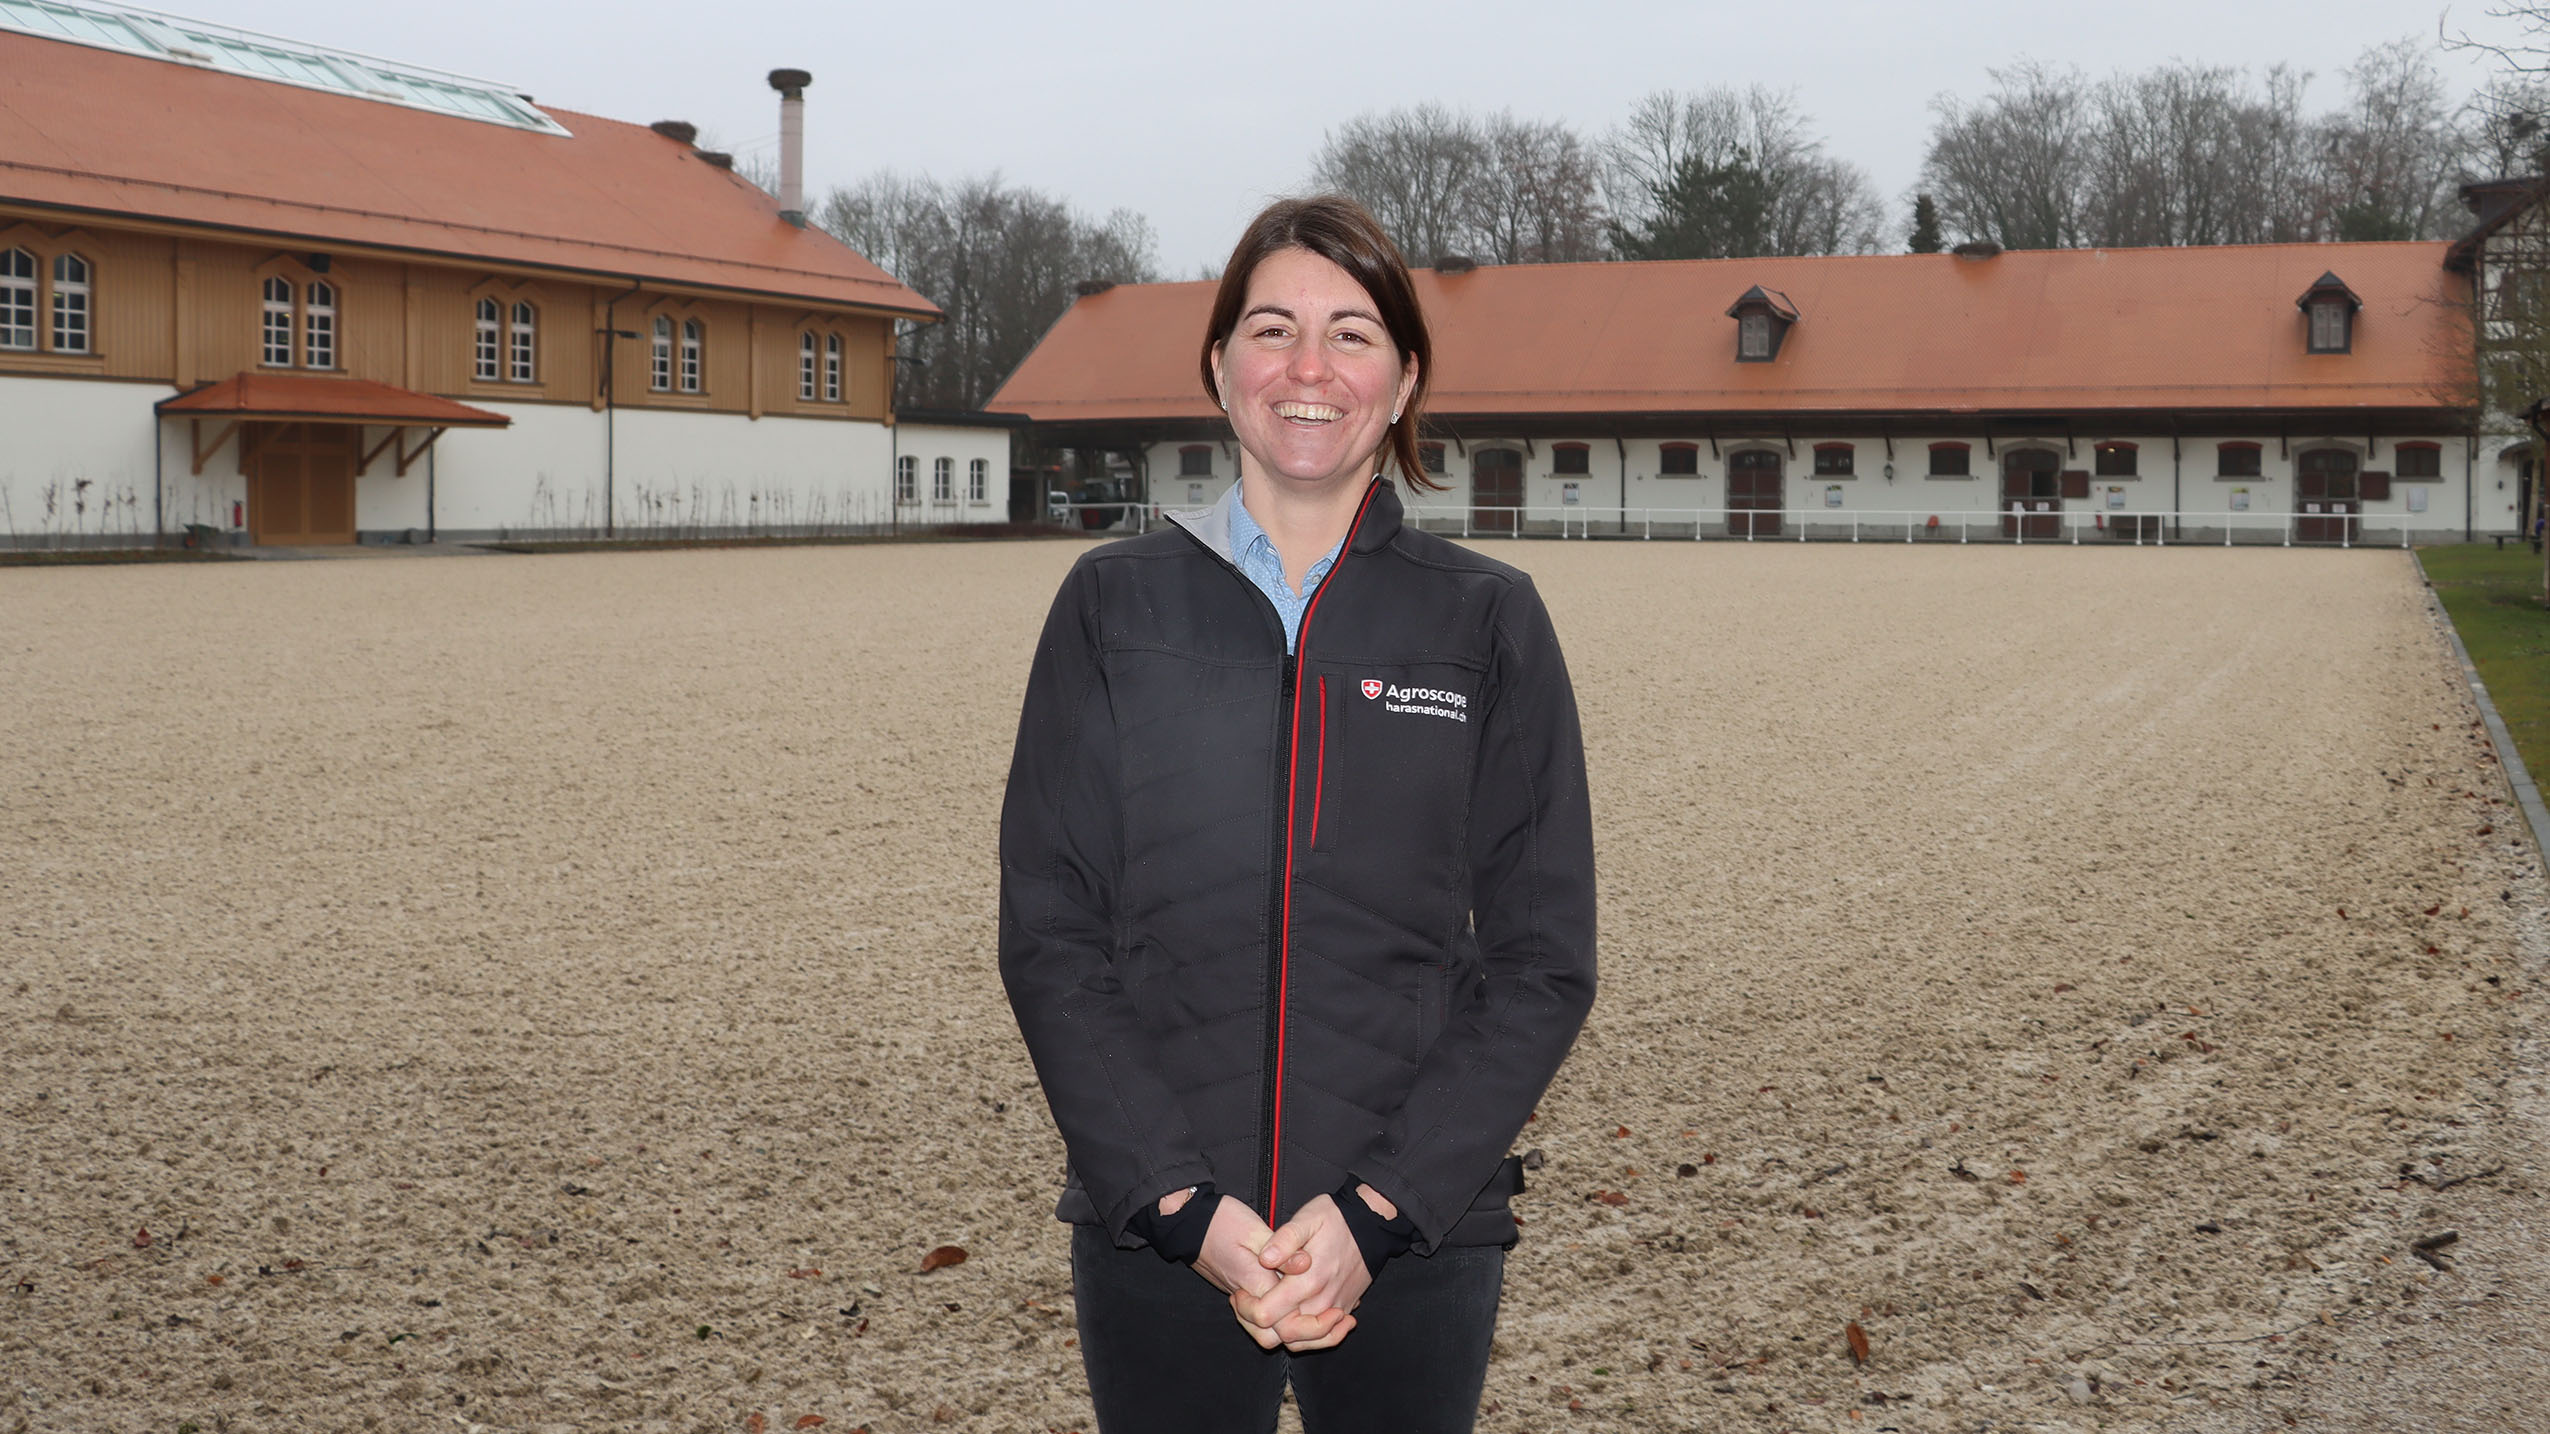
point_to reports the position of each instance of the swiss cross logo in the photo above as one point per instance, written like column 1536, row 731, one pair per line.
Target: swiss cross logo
column 1372, row 688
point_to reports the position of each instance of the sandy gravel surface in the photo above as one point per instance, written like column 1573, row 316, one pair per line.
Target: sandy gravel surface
column 556, row 993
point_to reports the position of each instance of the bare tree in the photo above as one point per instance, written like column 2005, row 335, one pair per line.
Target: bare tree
column 2192, row 154
column 1001, row 262
column 2390, row 156
column 2010, row 168
column 1536, row 201
column 1724, row 172
column 1419, row 171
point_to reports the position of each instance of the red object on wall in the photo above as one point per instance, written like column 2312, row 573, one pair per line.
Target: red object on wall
column 238, row 514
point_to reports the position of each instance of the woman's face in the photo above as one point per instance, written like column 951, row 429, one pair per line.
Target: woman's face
column 1310, row 373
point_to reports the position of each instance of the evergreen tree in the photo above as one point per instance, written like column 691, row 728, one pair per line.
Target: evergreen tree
column 1704, row 210
column 1925, row 230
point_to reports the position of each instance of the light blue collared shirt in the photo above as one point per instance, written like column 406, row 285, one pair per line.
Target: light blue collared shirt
column 1260, row 564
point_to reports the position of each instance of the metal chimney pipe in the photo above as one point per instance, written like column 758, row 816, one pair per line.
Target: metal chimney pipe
column 791, row 85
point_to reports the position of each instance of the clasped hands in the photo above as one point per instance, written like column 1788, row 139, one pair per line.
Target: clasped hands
column 1297, row 1286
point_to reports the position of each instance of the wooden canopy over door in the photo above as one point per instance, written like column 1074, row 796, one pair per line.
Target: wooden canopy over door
column 2031, row 494
column 301, row 482
column 2326, row 499
column 1755, row 484
column 1496, row 489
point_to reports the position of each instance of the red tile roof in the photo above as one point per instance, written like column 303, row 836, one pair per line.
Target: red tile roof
column 2028, row 331
column 298, row 396
column 88, row 129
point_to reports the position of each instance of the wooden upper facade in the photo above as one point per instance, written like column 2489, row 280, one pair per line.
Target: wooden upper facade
column 166, row 222
column 162, row 305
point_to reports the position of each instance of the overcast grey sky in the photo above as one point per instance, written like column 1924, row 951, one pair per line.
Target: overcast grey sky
column 1195, row 114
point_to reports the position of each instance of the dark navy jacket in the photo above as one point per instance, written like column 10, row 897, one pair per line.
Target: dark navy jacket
column 1273, row 921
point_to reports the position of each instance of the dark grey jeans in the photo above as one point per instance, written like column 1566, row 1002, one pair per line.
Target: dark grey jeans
column 1165, row 1356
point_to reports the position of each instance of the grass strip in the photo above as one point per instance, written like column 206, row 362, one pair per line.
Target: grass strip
column 2494, row 599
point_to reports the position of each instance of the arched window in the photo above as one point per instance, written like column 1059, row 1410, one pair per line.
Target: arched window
column 275, row 324
column 659, row 373
column 690, row 355
column 318, row 326
column 1678, row 460
column 70, row 304
column 978, row 481
column 832, row 368
column 487, row 345
column 806, row 366
column 522, row 344
column 907, row 470
column 17, row 300
column 942, row 480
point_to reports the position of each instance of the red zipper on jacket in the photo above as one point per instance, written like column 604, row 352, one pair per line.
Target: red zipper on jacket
column 1292, row 785
column 1319, row 769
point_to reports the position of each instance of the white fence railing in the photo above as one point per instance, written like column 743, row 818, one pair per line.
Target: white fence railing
column 1871, row 525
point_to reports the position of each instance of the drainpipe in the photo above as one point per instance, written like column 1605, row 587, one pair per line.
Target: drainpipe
column 159, row 459
column 1618, row 442
column 610, row 405
column 429, row 491
column 2470, row 487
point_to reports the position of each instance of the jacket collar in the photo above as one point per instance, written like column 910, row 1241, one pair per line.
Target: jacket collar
column 1212, row 526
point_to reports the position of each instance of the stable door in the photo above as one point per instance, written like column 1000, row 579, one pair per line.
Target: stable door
column 1755, row 484
column 1496, row 489
column 2326, row 498
column 301, row 484
column 2031, row 495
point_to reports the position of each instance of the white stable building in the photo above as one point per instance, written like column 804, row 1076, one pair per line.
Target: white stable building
column 260, row 291
column 2315, row 393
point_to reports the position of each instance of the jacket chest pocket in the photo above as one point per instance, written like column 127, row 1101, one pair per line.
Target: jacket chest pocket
column 1391, row 760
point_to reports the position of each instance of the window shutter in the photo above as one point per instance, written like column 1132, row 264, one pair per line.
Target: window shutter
column 2076, row 482
column 2374, row 485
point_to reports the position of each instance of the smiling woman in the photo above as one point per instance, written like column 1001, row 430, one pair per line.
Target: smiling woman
column 1323, row 1141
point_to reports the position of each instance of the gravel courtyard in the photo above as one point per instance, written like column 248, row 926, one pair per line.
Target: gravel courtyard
column 556, row 993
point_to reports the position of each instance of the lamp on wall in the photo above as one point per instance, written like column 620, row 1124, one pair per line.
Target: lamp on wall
column 1890, row 470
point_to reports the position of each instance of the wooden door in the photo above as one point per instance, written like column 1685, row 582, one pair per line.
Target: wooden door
column 2031, row 494
column 2326, row 498
column 1755, row 486
column 1496, row 489
column 301, row 483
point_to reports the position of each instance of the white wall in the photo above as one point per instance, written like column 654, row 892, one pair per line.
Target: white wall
column 75, row 460
column 76, row 467
column 925, row 444
column 1913, row 493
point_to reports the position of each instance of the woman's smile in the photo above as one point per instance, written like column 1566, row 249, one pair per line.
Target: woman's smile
column 1310, row 374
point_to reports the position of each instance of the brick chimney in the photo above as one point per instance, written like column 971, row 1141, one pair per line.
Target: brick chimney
column 791, row 85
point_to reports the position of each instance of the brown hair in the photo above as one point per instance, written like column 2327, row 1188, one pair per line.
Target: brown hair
column 1338, row 230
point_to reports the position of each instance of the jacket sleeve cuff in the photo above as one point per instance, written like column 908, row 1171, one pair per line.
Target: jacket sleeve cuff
column 1177, row 1238
column 1380, row 1240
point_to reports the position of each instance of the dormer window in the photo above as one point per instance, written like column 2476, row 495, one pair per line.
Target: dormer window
column 1762, row 319
column 2329, row 307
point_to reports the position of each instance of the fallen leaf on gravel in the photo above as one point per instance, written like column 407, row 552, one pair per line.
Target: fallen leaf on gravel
column 754, row 1423
column 809, row 1273
column 142, row 1238
column 1686, row 1170
column 811, row 1421
column 1618, row 1134
column 2438, row 906
column 1609, row 1197
column 1858, row 1340
column 2062, row 986
column 942, row 1257
column 212, row 1279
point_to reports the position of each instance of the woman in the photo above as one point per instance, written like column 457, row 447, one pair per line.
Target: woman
column 1297, row 890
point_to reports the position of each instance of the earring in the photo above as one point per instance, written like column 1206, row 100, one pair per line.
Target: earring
column 1394, row 419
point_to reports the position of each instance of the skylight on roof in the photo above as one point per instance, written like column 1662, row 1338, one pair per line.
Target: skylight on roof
column 264, row 57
